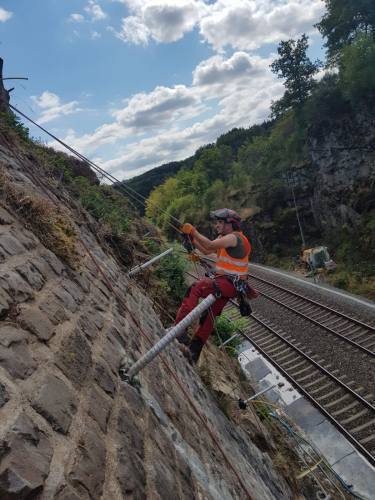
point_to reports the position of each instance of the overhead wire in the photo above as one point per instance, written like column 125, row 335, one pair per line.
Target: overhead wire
column 118, row 184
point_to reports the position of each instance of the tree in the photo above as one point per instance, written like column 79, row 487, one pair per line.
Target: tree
column 298, row 70
column 357, row 71
column 343, row 22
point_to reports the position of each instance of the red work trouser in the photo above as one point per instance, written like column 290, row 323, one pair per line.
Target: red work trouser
column 202, row 289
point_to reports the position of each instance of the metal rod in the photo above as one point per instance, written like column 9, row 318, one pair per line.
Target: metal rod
column 140, row 267
column 228, row 340
column 167, row 339
column 279, row 384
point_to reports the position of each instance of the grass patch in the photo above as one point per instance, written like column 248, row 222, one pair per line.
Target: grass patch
column 51, row 224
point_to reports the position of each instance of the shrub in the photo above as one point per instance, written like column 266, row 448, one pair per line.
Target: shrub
column 226, row 328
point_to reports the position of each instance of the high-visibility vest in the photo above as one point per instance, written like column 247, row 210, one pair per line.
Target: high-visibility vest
column 226, row 264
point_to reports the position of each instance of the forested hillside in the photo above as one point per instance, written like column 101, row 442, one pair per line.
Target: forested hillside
column 320, row 141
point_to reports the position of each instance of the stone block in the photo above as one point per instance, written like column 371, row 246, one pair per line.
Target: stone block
column 99, row 408
column 104, row 379
column 73, row 290
column 74, row 358
column 82, row 281
column 42, row 266
column 25, row 462
column 130, row 432
column 4, row 396
column 15, row 286
column 133, row 399
column 26, row 238
column 54, row 310
column 5, row 302
column 37, row 323
column 65, row 492
column 88, row 470
column 31, row 274
column 5, row 217
column 54, row 262
column 112, row 354
column 56, row 402
column 131, row 475
column 66, row 299
column 10, row 244
column 87, row 326
column 15, row 355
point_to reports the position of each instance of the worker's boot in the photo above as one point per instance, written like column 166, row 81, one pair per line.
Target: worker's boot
column 195, row 348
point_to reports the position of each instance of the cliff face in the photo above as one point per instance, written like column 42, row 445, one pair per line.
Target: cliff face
column 343, row 158
column 334, row 190
column 69, row 428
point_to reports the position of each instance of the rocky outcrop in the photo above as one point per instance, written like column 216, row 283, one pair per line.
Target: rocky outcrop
column 69, row 428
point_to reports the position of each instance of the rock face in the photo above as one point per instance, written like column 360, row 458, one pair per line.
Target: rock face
column 69, row 428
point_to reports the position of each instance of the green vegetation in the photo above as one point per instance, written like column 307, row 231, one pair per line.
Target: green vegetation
column 225, row 329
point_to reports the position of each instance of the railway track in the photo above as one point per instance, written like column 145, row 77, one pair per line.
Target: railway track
column 341, row 400
column 350, row 407
column 353, row 331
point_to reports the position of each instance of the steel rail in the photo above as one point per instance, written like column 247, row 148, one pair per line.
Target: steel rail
column 330, row 309
column 312, row 320
column 366, row 453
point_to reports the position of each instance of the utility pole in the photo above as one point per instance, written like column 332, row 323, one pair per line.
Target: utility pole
column 4, row 94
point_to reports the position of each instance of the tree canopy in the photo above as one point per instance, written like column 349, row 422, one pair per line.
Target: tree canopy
column 343, row 21
column 298, row 70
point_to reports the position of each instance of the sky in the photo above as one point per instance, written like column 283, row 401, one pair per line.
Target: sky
column 133, row 84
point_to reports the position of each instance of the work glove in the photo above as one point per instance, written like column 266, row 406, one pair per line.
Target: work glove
column 193, row 257
column 188, row 228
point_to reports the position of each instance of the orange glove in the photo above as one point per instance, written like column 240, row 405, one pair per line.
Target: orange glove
column 188, row 229
column 193, row 257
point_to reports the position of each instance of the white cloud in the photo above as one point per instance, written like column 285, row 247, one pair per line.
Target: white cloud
column 5, row 15
column 95, row 35
column 162, row 20
column 249, row 24
column 171, row 123
column 217, row 70
column 52, row 108
column 95, row 11
column 133, row 31
column 240, row 24
column 77, row 18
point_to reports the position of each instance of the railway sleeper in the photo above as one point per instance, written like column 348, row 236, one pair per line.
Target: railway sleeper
column 286, row 366
column 329, row 394
column 314, row 382
column 337, row 401
column 367, row 439
column 354, row 417
column 321, row 388
column 282, row 348
column 333, row 372
column 331, row 323
column 304, row 370
column 281, row 359
column 345, row 409
column 362, row 334
column 363, row 426
column 371, row 344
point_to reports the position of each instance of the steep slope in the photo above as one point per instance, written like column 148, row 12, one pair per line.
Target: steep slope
column 69, row 429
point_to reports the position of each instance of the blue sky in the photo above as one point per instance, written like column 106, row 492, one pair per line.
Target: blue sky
column 136, row 83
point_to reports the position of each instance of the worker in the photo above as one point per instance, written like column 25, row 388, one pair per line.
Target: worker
column 232, row 258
